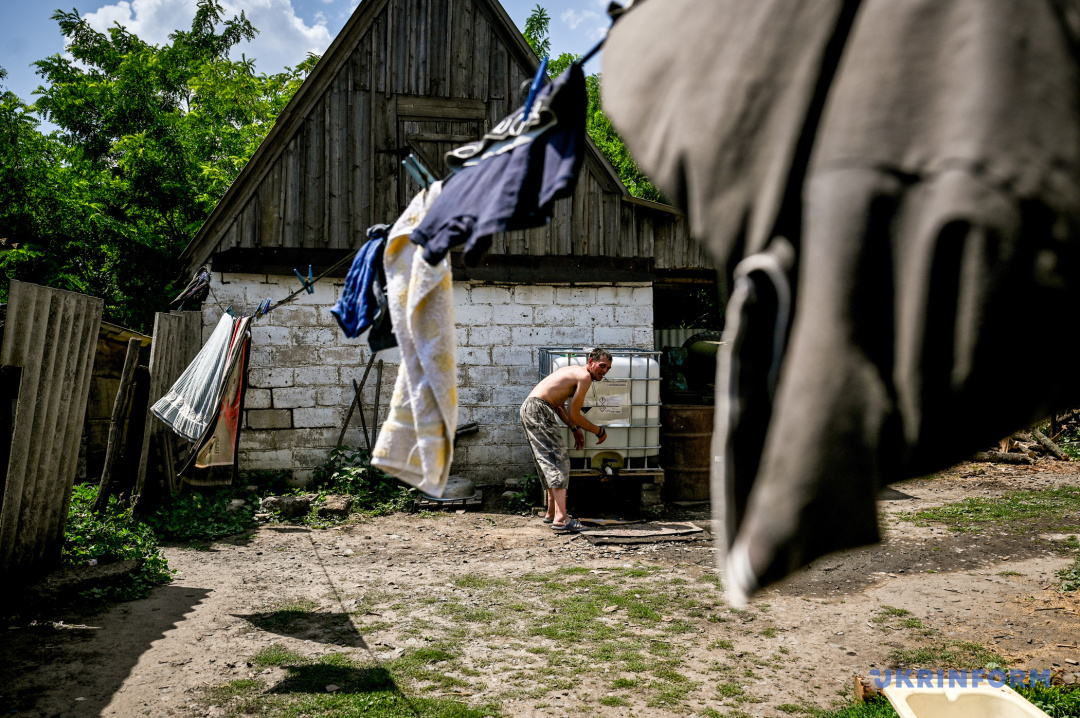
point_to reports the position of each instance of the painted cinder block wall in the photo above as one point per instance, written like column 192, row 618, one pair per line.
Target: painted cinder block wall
column 302, row 365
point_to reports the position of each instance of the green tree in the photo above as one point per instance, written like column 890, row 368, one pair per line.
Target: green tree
column 149, row 139
column 536, row 31
column 597, row 123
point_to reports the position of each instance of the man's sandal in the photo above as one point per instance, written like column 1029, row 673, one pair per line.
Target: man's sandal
column 571, row 526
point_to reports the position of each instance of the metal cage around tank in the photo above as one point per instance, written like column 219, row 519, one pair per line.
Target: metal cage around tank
column 632, row 444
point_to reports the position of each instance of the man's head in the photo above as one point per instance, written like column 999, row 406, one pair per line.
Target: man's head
column 599, row 363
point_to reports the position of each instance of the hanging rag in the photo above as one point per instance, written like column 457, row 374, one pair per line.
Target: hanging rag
column 363, row 301
column 510, row 178
column 416, row 443
column 884, row 185
column 220, row 443
column 193, row 401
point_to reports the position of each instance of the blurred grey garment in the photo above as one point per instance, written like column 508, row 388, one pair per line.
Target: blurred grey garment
column 192, row 402
column 543, row 428
column 906, row 173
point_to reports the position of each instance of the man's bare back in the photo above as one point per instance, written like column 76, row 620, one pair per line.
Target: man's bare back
column 572, row 382
column 560, row 385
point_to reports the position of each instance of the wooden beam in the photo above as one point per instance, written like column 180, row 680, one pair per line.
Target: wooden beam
column 533, row 269
column 120, row 406
column 442, row 108
column 279, row 260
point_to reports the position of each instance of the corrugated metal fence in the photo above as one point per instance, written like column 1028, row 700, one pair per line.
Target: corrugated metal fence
column 673, row 337
column 177, row 339
column 52, row 335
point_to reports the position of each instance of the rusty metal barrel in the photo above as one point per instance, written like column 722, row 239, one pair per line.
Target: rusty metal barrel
column 685, row 449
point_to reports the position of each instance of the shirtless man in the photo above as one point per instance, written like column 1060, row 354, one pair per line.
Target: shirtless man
column 539, row 414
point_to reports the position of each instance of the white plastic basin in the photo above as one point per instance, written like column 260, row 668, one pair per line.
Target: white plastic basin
column 970, row 702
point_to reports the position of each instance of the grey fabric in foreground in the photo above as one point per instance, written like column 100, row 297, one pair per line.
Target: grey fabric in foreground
column 907, row 174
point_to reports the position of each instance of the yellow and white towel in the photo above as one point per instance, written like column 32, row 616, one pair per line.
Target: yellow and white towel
column 416, row 443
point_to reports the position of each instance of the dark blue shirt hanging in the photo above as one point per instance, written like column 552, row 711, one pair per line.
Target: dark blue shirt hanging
column 363, row 301
column 511, row 177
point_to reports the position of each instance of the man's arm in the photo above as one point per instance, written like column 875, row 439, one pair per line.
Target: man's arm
column 579, row 438
column 576, row 401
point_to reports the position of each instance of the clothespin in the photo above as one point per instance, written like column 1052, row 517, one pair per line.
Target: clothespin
column 415, row 173
column 419, row 171
column 229, row 311
column 263, row 308
column 537, row 83
column 309, row 283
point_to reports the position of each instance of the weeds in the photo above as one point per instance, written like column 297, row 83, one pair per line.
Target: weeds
column 526, row 497
column 349, row 471
column 114, row 536
column 1019, row 511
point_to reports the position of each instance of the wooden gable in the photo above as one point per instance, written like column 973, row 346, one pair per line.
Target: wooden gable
column 418, row 76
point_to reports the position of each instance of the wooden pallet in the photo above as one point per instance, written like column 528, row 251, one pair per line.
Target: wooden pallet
column 427, row 504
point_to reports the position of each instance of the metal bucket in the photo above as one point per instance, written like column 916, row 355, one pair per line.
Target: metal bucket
column 685, row 449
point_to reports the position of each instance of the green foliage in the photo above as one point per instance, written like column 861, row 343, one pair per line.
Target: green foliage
column 1018, row 510
column 1070, row 577
column 149, row 139
column 1055, row 701
column 114, row 536
column 203, row 515
column 536, row 31
column 349, row 471
column 525, row 498
column 598, row 125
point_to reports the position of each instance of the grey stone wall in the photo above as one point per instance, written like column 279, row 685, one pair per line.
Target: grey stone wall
column 302, row 365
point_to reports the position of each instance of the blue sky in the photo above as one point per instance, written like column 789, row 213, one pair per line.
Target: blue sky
column 288, row 29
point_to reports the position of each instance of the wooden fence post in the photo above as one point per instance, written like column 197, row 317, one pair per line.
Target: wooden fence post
column 116, row 425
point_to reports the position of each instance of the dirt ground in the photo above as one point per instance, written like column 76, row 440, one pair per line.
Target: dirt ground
column 379, row 587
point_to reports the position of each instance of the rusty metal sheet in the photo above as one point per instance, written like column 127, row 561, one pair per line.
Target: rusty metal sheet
column 52, row 335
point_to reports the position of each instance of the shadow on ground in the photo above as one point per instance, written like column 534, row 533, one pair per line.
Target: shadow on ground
column 335, row 628
column 90, row 655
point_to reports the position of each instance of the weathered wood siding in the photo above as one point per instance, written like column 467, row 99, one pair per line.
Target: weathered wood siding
column 52, row 335
column 404, row 76
column 177, row 339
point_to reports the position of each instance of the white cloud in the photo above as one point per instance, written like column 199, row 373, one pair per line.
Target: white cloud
column 284, row 39
column 573, row 18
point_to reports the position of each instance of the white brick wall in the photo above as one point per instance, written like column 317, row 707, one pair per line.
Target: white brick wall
column 302, row 366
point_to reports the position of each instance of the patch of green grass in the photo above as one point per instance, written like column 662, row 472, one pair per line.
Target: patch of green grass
column 722, row 644
column 794, row 709
column 729, row 690
column 1009, row 573
column 469, row 614
column 769, row 632
column 241, row 688
column 624, row 683
column 367, row 690
column 946, row 654
column 1070, row 577
column 1019, row 511
column 911, row 623
column 472, row 580
column 713, row 579
column 614, row 701
column 277, row 655
column 892, row 611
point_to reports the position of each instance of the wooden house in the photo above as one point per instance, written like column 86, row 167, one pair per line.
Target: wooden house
column 421, row 76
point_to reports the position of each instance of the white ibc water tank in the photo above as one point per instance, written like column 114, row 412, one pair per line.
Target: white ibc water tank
column 633, row 432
